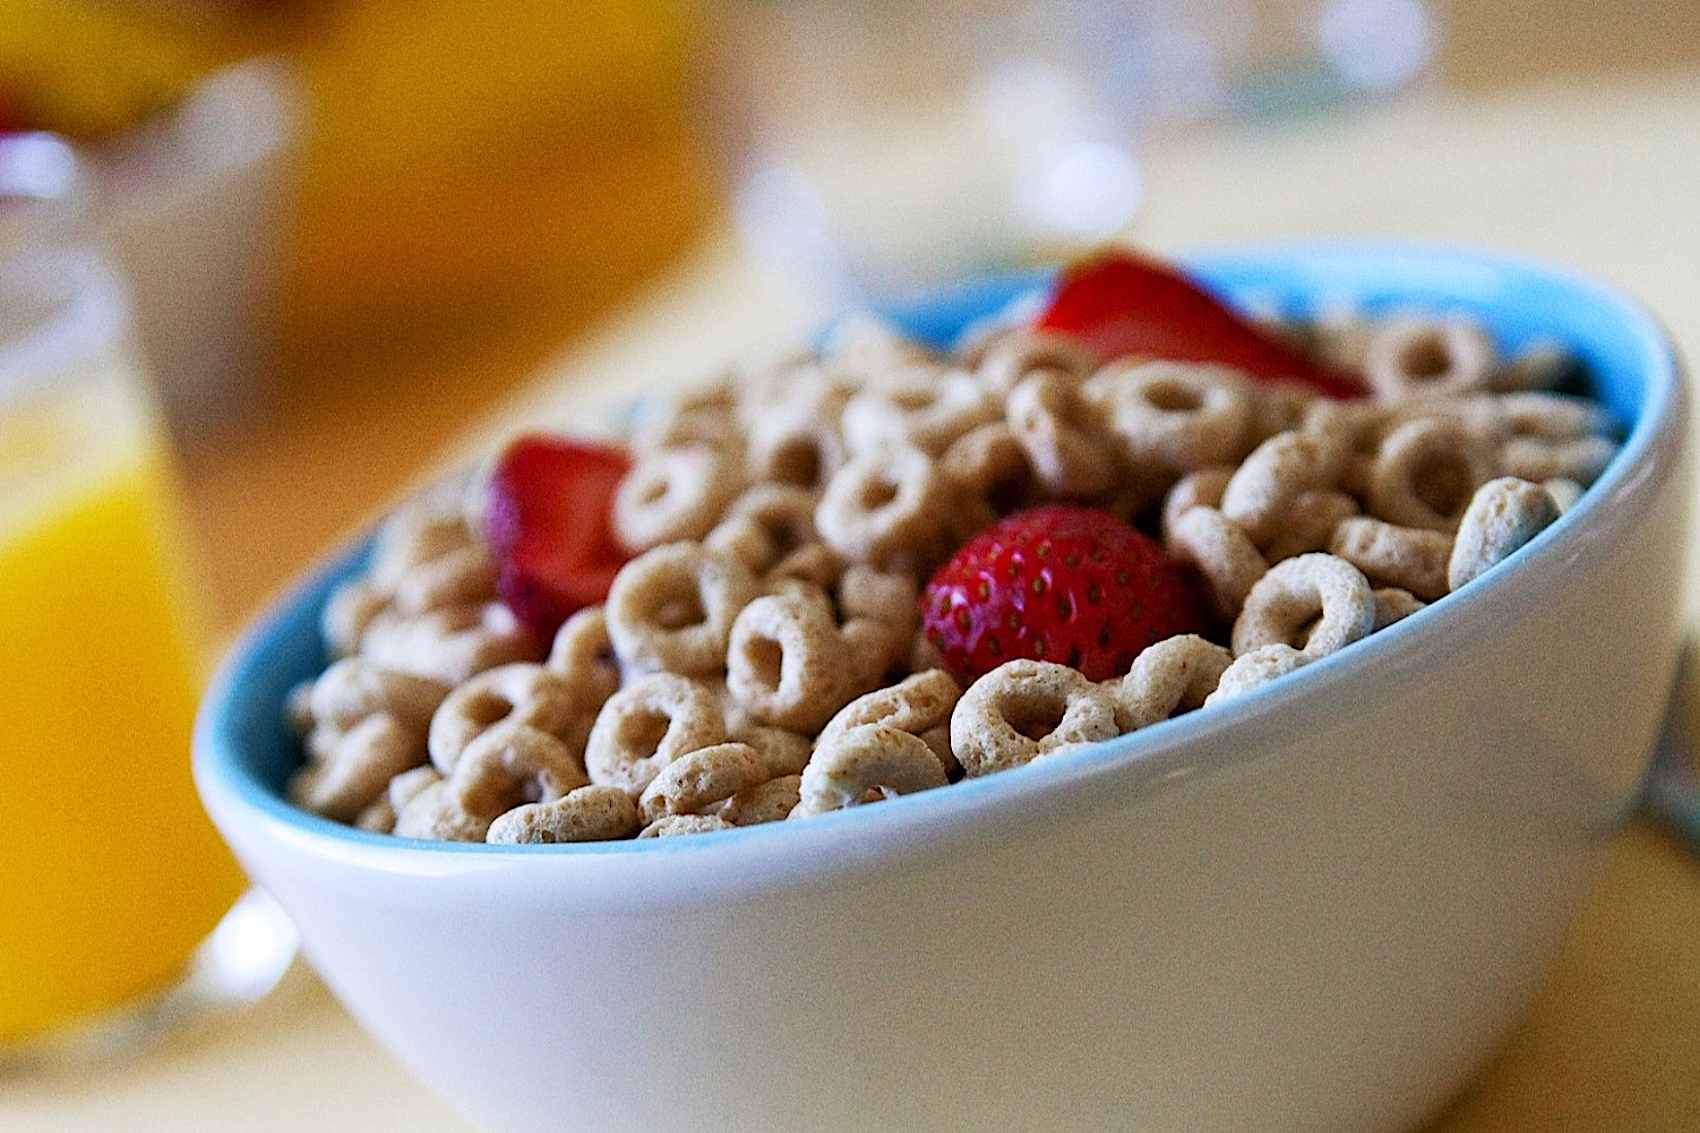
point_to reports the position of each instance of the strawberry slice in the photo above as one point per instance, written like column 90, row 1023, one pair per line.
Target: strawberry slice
column 549, row 519
column 1118, row 303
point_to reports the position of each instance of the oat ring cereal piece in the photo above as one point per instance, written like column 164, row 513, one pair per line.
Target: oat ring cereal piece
column 435, row 816
column 1016, row 354
column 1227, row 558
column 521, row 693
column 788, row 664
column 1062, row 435
column 782, row 752
column 512, row 764
column 886, row 502
column 772, row 801
column 1409, row 558
column 352, row 607
column 1316, row 603
column 583, row 656
column 1425, row 472
column 1025, row 709
column 462, row 577
column 813, row 562
column 671, row 608
column 988, row 476
column 674, row 825
column 916, row 704
column 1263, row 488
column 1256, row 669
column 1503, row 515
column 1310, row 523
column 1175, row 673
column 380, row 816
column 355, row 688
column 765, row 524
column 872, row 758
column 1179, row 416
column 647, row 725
column 421, row 530
column 1394, row 605
column 1564, row 491
column 699, row 779
column 355, row 766
column 926, row 407
column 1422, row 357
column 1202, row 488
column 884, row 596
column 1553, row 416
column 673, row 494
column 585, row 814
column 450, row 644
column 1581, row 459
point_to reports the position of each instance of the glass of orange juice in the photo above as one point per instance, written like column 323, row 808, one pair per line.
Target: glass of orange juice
column 119, row 906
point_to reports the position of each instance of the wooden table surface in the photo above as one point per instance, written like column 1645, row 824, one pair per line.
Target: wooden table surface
column 1605, row 179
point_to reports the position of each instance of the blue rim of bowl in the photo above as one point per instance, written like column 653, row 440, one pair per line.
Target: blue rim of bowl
column 1162, row 748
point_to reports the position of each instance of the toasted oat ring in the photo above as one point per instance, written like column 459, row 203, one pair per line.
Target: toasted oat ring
column 884, row 596
column 355, row 767
column 1227, row 558
column 463, row 576
column 782, row 752
column 671, row 608
column 1581, row 459
column 380, row 816
column 1394, row 605
column 512, row 764
column 701, row 416
column 1564, row 491
column 584, row 814
column 1025, row 709
column 989, row 476
column 814, row 563
column 416, row 533
column 699, row 779
column 355, row 688
column 674, row 825
column 1541, row 365
column 869, row 758
column 1503, row 515
column 916, row 704
column 1310, row 524
column 1278, row 407
column 884, row 502
column 926, row 407
column 1316, row 588
column 451, row 644
column 1425, row 473
column 772, row 801
column 1179, row 416
column 673, row 494
column 1255, row 669
column 1421, row 357
column 583, row 656
column 1062, row 435
column 521, row 693
column 647, row 725
column 787, row 663
column 352, row 607
column 1175, row 673
column 1553, row 416
column 1410, row 558
column 1202, row 488
column 765, row 524
column 1016, row 354
column 1262, row 490
column 435, row 816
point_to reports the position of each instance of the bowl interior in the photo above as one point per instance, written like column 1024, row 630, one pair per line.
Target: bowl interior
column 242, row 737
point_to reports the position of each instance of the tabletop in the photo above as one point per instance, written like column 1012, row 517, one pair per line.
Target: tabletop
column 1603, row 178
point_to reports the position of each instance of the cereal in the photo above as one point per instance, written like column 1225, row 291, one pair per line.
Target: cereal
column 1421, row 357
column 1225, row 555
column 674, row 494
column 434, row 815
column 1410, row 558
column 988, row 475
column 671, row 609
column 352, row 607
column 772, row 801
column 885, row 503
column 1062, row 435
column 867, row 758
column 464, row 576
column 1202, row 488
column 788, row 663
column 765, row 525
column 925, row 408
column 1554, row 417
column 673, row 825
column 1026, row 709
column 782, row 752
column 1309, row 524
column 798, row 441
column 451, row 644
column 701, row 778
column 1503, row 515
column 585, row 814
column 647, row 725
column 1015, row 355
column 509, row 765
column 355, row 767
column 1255, row 669
column 355, row 688
column 1564, row 492
column 1393, row 605
column 1581, row 459
column 1179, row 417
column 1176, row 673
column 917, row 704
column 583, row 656
column 1315, row 603
column 1262, row 490
column 1425, row 473
column 521, row 693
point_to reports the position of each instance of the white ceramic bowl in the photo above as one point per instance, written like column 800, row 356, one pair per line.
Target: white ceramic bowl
column 1320, row 908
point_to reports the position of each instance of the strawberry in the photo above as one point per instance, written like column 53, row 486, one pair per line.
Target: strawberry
column 548, row 517
column 1059, row 583
column 1118, row 303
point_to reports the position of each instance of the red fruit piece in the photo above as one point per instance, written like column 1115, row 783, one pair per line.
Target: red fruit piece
column 1060, row 583
column 1119, row 303
column 549, row 518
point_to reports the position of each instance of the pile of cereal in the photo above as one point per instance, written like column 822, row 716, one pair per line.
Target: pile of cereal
column 871, row 570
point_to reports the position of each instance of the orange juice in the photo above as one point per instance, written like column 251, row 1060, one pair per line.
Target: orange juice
column 109, row 873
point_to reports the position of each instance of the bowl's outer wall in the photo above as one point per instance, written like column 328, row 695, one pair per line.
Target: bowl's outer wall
column 1320, row 913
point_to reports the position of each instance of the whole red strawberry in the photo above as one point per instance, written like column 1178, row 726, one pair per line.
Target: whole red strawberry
column 1068, row 584
column 548, row 516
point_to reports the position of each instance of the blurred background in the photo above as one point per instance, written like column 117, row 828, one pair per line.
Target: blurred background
column 344, row 252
